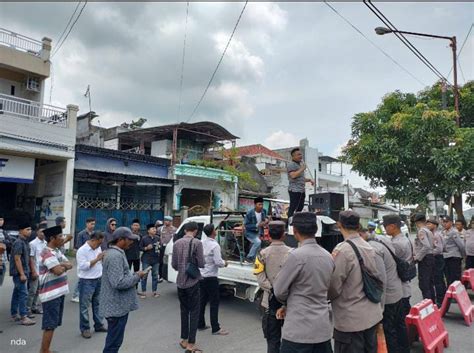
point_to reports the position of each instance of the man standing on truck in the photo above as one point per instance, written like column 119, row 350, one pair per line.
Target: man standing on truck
column 296, row 182
column 267, row 266
column 255, row 221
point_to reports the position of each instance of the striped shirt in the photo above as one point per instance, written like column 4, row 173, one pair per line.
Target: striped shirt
column 50, row 285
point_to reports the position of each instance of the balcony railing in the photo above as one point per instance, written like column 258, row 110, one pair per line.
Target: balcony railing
column 20, row 42
column 25, row 108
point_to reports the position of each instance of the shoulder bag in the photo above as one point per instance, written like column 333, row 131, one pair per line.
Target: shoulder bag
column 373, row 287
column 192, row 270
column 406, row 270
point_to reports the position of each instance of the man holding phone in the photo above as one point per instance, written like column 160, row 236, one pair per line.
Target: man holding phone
column 150, row 245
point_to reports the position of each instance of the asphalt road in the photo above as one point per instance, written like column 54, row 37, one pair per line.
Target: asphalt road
column 154, row 327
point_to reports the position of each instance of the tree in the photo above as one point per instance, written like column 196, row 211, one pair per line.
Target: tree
column 412, row 147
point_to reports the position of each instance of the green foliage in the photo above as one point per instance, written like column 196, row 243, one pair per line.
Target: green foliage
column 411, row 147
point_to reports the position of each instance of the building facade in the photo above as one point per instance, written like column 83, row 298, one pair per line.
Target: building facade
column 36, row 139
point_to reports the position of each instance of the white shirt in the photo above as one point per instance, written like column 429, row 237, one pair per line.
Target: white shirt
column 258, row 215
column 36, row 247
column 212, row 258
column 84, row 256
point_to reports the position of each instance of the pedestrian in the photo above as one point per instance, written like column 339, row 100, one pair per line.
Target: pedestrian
column 89, row 270
column 454, row 252
column 110, row 227
column 118, row 296
column 61, row 221
column 460, row 226
column 371, row 226
column 424, row 257
column 133, row 252
column 209, row 284
column 3, row 251
column 187, row 256
column 53, row 286
column 403, row 249
column 165, row 234
column 296, row 182
column 22, row 268
column 267, row 266
column 36, row 247
column 355, row 316
column 255, row 221
column 469, row 244
column 439, row 246
column 393, row 321
column 150, row 245
column 302, row 286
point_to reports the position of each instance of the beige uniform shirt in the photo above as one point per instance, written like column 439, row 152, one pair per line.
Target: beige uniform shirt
column 268, row 265
column 352, row 310
column 404, row 250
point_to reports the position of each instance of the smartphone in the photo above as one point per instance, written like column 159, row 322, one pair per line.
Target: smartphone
column 148, row 269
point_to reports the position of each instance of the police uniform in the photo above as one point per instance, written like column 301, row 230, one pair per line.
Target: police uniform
column 424, row 257
column 267, row 266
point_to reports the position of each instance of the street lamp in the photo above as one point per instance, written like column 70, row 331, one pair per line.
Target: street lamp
column 383, row 30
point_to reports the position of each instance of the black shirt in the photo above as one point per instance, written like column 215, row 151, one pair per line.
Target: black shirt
column 20, row 247
column 152, row 256
column 133, row 252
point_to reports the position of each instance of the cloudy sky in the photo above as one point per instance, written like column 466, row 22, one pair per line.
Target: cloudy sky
column 293, row 70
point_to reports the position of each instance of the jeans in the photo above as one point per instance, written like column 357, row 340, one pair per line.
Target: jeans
column 356, row 342
column 453, row 269
column 189, row 305
column 33, row 298
column 271, row 327
column 296, row 202
column 293, row 347
column 256, row 243
column 154, row 276
column 426, row 277
column 19, row 298
column 395, row 329
column 76, row 291
column 115, row 333
column 439, row 283
column 209, row 289
column 3, row 269
column 89, row 292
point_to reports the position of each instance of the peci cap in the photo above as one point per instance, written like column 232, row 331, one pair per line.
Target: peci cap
column 432, row 220
column 123, row 232
column 24, row 225
column 168, row 218
column 151, row 225
column 136, row 220
column 392, row 219
column 52, row 231
column 419, row 217
column 349, row 219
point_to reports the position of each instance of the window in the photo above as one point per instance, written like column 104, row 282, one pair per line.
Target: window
column 33, row 84
column 320, row 167
column 12, row 90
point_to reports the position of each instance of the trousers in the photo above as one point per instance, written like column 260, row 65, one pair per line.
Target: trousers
column 356, row 342
column 426, row 277
column 395, row 329
column 189, row 306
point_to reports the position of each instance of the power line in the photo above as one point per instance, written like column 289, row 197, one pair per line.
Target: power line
column 69, row 22
column 182, row 62
column 70, row 29
column 218, row 64
column 374, row 44
column 403, row 39
column 462, row 47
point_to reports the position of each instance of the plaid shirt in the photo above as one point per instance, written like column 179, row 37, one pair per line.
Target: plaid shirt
column 180, row 260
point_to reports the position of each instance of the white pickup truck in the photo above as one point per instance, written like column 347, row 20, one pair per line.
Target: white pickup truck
column 237, row 278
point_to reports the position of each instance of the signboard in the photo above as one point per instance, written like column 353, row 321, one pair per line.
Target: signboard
column 15, row 169
column 52, row 207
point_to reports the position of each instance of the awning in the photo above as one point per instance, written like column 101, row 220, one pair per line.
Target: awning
column 14, row 169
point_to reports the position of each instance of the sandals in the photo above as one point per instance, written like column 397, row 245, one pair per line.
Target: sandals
column 221, row 332
column 183, row 344
column 156, row 295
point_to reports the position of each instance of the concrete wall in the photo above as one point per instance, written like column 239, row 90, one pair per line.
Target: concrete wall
column 36, row 64
column 10, row 78
column 161, row 148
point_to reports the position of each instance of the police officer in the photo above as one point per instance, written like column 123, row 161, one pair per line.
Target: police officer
column 267, row 266
column 424, row 257
column 439, row 247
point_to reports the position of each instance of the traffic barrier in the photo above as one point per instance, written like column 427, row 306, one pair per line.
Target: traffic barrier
column 457, row 292
column 468, row 278
column 381, row 343
column 425, row 319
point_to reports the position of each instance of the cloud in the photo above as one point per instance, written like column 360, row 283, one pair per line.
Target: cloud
column 280, row 139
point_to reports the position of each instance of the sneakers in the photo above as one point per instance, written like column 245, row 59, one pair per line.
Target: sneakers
column 86, row 334
column 221, row 332
column 25, row 321
column 75, row 299
column 142, row 295
column 156, row 294
column 30, row 315
column 160, row 280
column 204, row 328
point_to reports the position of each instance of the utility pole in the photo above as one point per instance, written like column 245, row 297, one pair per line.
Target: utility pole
column 453, row 46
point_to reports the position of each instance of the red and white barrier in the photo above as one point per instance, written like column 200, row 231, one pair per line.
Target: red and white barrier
column 468, row 278
column 457, row 292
